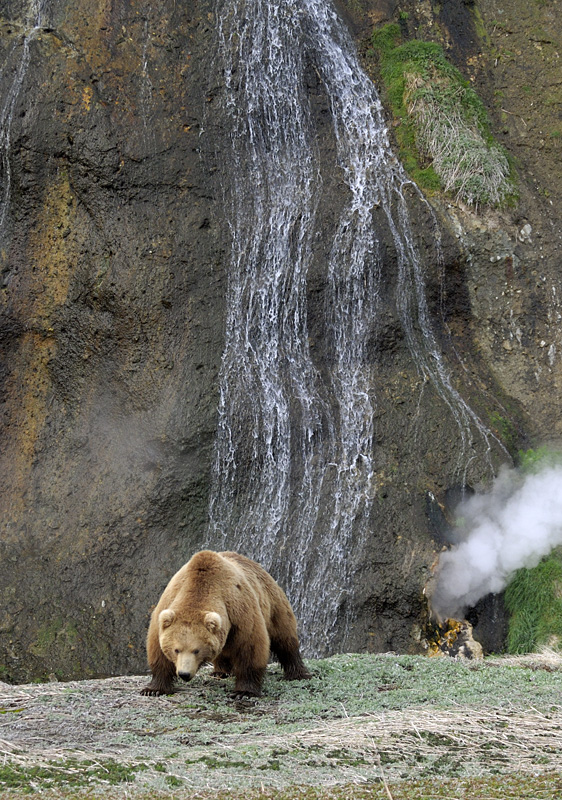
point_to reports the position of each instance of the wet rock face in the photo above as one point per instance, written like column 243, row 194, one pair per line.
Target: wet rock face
column 112, row 327
column 114, row 261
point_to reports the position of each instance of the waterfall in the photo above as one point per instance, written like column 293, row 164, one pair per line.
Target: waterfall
column 33, row 23
column 294, row 456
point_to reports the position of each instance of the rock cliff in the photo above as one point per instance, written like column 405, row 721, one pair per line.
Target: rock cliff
column 114, row 257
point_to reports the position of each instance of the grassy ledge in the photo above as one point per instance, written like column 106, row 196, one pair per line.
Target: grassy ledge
column 443, row 130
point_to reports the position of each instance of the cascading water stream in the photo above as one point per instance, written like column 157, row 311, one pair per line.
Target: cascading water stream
column 294, row 451
column 33, row 24
column 272, row 419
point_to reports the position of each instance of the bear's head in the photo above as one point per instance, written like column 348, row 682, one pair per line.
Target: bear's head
column 190, row 644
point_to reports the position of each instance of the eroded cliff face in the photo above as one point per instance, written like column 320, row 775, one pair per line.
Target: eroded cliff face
column 510, row 52
column 514, row 274
column 114, row 254
column 111, row 325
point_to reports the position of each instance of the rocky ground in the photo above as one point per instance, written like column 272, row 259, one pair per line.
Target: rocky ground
column 373, row 722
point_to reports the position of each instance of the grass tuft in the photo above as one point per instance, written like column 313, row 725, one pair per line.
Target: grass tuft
column 534, row 601
column 443, row 129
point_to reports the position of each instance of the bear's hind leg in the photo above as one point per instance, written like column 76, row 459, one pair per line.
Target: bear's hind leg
column 288, row 653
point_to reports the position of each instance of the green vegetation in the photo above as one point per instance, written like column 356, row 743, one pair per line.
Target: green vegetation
column 416, row 726
column 443, row 133
column 534, row 601
column 505, row 429
column 514, row 787
column 50, row 632
column 534, row 596
column 523, row 787
column 532, row 461
column 62, row 774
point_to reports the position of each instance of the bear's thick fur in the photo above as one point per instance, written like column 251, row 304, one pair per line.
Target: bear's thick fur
column 226, row 609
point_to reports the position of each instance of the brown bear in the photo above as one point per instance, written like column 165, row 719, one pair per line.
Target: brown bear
column 226, row 609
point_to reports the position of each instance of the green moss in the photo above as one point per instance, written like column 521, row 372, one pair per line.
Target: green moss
column 443, row 130
column 480, row 26
column 64, row 774
column 50, row 632
column 505, row 430
column 533, row 460
column 534, row 601
column 214, row 762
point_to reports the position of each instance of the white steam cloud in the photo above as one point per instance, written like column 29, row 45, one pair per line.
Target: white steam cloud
column 514, row 525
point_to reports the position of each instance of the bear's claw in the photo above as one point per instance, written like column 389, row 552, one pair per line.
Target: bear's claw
column 152, row 691
column 244, row 693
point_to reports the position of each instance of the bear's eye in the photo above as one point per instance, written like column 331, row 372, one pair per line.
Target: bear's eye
column 176, row 650
column 195, row 652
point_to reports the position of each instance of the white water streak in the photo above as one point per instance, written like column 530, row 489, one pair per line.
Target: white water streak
column 33, row 24
column 294, row 458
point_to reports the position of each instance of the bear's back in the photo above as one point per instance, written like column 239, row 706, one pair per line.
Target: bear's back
column 272, row 598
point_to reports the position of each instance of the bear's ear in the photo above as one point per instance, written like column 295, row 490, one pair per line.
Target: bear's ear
column 166, row 617
column 212, row 621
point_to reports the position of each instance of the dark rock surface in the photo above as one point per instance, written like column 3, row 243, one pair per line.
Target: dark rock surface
column 114, row 254
column 112, row 329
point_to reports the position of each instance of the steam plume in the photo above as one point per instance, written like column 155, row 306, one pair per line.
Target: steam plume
column 514, row 525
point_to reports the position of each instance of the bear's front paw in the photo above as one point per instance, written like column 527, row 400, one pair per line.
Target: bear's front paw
column 219, row 673
column 155, row 691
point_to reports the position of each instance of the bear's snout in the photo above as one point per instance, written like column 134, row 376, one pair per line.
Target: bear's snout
column 185, row 676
